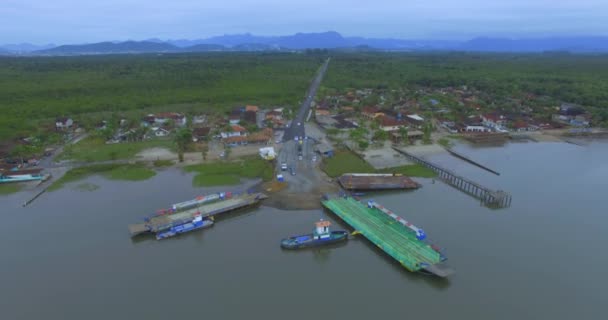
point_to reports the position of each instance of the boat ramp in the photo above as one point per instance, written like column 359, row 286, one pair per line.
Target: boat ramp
column 398, row 238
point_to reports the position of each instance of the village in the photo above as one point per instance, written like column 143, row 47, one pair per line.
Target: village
column 365, row 121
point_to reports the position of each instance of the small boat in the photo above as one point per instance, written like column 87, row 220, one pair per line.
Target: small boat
column 196, row 223
column 320, row 236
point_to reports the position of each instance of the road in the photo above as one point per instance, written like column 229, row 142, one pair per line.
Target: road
column 296, row 129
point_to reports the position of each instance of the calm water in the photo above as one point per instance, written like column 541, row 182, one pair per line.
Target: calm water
column 69, row 256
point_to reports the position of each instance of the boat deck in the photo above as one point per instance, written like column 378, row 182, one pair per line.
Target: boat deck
column 162, row 222
column 376, row 182
column 385, row 232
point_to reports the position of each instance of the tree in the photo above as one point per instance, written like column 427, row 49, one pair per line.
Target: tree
column 183, row 138
column 227, row 151
column 404, row 137
column 205, row 151
column 380, row 135
column 363, row 144
column 426, row 138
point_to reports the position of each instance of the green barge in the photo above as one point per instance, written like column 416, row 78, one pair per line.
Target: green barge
column 398, row 238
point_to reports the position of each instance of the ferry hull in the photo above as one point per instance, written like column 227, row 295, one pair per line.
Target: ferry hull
column 308, row 241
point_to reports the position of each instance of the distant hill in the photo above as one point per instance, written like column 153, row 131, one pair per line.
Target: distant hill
column 25, row 47
column 331, row 40
column 571, row 44
column 204, row 47
column 111, row 47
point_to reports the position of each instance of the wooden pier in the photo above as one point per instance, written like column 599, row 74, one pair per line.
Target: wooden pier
column 489, row 198
column 475, row 163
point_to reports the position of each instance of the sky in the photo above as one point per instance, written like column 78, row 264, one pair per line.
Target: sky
column 85, row 21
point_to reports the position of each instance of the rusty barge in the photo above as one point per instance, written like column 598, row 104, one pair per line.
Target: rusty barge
column 371, row 181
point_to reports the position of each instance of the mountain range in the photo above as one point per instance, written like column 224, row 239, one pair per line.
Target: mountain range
column 325, row 40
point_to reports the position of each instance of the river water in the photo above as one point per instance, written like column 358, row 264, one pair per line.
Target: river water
column 69, row 256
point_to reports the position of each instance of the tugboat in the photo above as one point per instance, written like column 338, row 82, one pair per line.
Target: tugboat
column 197, row 223
column 320, row 236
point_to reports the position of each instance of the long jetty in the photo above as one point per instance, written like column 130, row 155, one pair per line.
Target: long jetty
column 467, row 159
column 489, row 198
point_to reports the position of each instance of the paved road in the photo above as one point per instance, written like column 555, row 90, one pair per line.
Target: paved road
column 296, row 130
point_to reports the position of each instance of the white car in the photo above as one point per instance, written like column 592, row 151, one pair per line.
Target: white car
column 299, row 123
column 295, row 138
column 314, row 159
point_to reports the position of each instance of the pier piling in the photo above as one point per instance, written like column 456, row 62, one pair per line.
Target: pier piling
column 488, row 197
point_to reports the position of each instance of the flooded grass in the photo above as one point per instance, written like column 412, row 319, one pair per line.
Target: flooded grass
column 130, row 172
column 9, row 188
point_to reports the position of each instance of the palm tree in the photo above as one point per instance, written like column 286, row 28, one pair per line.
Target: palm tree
column 183, row 138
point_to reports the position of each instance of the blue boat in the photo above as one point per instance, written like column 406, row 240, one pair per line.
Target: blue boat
column 197, row 223
column 320, row 236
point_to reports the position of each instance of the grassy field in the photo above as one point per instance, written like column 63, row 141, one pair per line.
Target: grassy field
column 347, row 162
column 95, row 149
column 7, row 188
column 130, row 172
column 230, row 173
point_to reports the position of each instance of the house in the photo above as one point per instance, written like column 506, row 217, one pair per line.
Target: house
column 235, row 141
column 235, row 131
column 160, row 132
column 250, row 117
column 200, row 134
column 164, row 117
column 493, row 120
column 263, row 136
column 371, row 112
column 390, row 124
column 234, row 118
column 199, row 119
column 569, row 109
column 321, row 112
column 252, row 108
column 63, row 123
column 274, row 114
column 477, row 129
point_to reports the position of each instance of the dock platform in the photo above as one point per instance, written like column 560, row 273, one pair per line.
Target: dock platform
column 361, row 181
column 389, row 233
column 163, row 222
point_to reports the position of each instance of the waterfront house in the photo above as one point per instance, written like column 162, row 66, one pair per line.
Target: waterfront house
column 493, row 120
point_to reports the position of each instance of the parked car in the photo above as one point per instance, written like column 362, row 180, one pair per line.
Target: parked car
column 293, row 171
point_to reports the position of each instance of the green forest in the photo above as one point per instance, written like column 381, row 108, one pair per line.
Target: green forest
column 42, row 88
column 35, row 90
